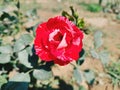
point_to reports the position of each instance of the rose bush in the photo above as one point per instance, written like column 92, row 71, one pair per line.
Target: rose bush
column 58, row 40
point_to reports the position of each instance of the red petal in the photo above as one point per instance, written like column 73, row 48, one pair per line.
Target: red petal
column 63, row 43
column 41, row 43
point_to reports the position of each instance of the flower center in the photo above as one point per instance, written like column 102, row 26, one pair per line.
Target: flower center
column 58, row 37
column 55, row 36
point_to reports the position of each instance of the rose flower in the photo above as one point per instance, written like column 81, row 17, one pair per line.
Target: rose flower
column 58, row 40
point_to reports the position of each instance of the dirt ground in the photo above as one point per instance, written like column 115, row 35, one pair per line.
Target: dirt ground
column 101, row 21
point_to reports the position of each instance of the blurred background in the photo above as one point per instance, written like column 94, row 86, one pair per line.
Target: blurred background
column 101, row 45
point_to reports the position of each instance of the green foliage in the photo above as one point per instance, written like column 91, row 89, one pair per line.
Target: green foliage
column 42, row 74
column 114, row 71
column 118, row 16
column 23, row 58
column 92, row 7
column 18, row 82
column 112, row 7
column 5, row 54
column 89, row 76
column 82, row 88
column 77, row 75
column 82, row 57
column 98, row 39
column 20, row 77
column 19, row 45
column 104, row 57
column 4, row 58
column 14, row 21
column 26, row 39
column 80, row 23
column 3, row 80
column 100, row 2
column 16, row 86
column 18, row 54
column 9, row 22
column 6, row 49
column 22, row 42
column 0, row 41
column 94, row 54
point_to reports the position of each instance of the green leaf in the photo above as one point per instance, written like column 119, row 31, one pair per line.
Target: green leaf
column 18, row 5
column 29, row 50
column 19, row 45
column 98, row 39
column 0, row 41
column 94, row 54
column 34, row 29
column 6, row 49
column 20, row 77
column 104, row 57
column 81, row 23
column 82, row 57
column 42, row 74
column 23, row 58
column 118, row 16
column 100, row 2
column 31, row 12
column 22, row 42
column 4, row 15
column 4, row 58
column 27, row 39
column 89, row 76
column 3, row 80
column 2, row 28
column 82, row 88
column 94, row 7
column 16, row 86
column 77, row 75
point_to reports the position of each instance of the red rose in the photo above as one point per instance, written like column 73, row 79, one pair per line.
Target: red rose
column 58, row 40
